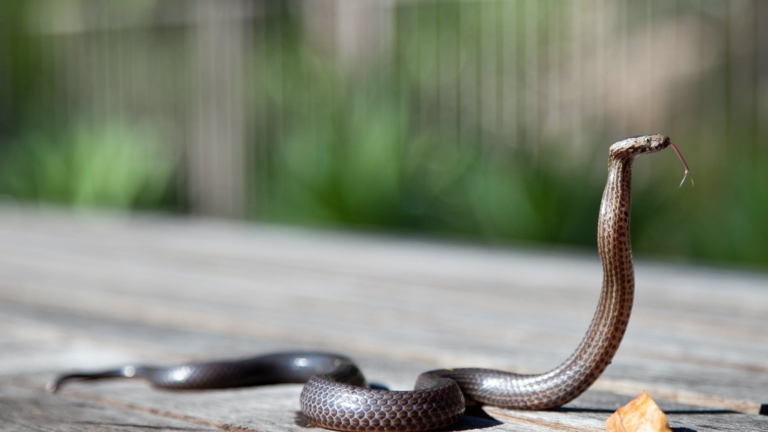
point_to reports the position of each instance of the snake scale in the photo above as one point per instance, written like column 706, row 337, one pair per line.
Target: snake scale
column 335, row 395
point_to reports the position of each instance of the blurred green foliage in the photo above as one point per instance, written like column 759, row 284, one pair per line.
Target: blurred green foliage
column 110, row 165
column 374, row 149
column 360, row 153
column 351, row 165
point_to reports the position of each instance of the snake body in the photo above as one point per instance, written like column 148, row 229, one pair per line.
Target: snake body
column 335, row 396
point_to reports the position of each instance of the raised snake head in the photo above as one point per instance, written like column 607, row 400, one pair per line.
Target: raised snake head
column 634, row 146
column 629, row 148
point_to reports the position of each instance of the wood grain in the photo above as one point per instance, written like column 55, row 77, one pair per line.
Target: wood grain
column 97, row 290
column 22, row 409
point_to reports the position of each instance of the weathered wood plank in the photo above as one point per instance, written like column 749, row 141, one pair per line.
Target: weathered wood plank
column 271, row 407
column 102, row 290
column 433, row 322
column 24, row 410
column 261, row 409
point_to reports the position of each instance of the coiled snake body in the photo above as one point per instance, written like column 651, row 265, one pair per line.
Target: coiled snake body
column 335, row 395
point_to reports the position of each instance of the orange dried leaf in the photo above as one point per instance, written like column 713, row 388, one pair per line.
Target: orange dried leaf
column 640, row 415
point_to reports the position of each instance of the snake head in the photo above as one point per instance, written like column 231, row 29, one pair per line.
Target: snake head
column 634, row 146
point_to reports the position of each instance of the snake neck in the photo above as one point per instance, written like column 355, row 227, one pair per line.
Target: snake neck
column 596, row 350
column 610, row 321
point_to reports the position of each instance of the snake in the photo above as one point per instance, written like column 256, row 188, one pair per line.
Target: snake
column 335, row 395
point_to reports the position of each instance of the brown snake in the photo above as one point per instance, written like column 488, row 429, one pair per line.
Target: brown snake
column 334, row 395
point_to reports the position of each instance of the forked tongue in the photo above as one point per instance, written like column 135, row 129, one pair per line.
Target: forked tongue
column 685, row 165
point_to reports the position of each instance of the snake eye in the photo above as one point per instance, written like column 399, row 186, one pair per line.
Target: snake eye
column 647, row 141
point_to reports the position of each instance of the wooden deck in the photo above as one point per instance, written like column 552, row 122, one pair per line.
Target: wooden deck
column 98, row 291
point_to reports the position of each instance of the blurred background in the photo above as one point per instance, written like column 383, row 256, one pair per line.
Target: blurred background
column 483, row 121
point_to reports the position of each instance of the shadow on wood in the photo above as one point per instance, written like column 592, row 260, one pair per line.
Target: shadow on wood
column 474, row 418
